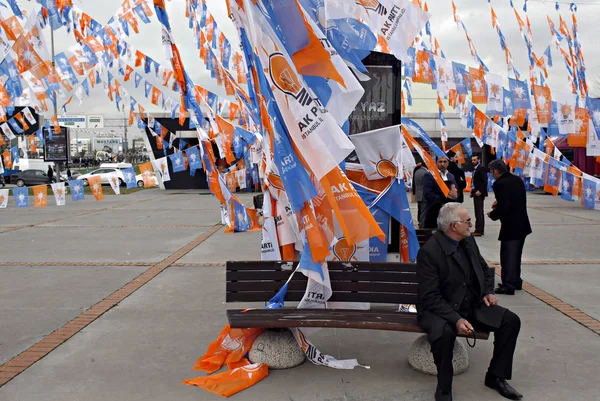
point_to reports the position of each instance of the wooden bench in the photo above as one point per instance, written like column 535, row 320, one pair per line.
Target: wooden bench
column 385, row 284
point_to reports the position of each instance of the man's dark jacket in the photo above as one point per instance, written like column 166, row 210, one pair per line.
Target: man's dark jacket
column 480, row 181
column 434, row 198
column 442, row 285
column 459, row 177
column 511, row 208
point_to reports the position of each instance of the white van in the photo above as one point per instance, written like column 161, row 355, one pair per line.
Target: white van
column 34, row 164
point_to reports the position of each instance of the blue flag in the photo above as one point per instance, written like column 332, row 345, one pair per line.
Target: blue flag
column 240, row 217
column 14, row 153
column 21, row 196
column 13, row 123
column 76, row 188
column 137, row 79
column 568, row 180
column 460, row 78
column 520, row 94
column 306, row 260
column 147, row 88
column 140, row 12
column 589, row 193
column 193, row 155
column 177, row 162
column 393, row 200
column 553, row 129
column 553, row 177
column 508, row 104
column 129, row 176
column 15, row 8
column 417, row 128
column 593, row 106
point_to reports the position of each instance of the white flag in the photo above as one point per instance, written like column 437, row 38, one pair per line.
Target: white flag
column 269, row 243
column 162, row 166
column 59, row 193
column 318, row 137
column 115, row 183
column 565, row 103
column 495, row 103
column 379, row 152
column 3, row 198
column 445, row 76
column 28, row 115
column 240, row 175
column 398, row 22
column 7, row 131
column 318, row 358
column 225, row 216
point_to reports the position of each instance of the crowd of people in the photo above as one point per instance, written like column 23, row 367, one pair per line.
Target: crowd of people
column 456, row 286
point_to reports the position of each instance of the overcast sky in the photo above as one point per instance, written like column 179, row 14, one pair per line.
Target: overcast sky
column 474, row 13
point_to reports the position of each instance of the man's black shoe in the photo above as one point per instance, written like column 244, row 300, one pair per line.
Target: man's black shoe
column 504, row 291
column 440, row 396
column 502, row 387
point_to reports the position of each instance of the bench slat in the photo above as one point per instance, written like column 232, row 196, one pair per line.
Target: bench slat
column 333, row 266
column 387, row 277
column 300, row 285
column 351, row 319
column 337, row 296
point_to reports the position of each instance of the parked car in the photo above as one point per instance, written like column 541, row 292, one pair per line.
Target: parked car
column 74, row 175
column 105, row 175
column 30, row 177
column 140, row 181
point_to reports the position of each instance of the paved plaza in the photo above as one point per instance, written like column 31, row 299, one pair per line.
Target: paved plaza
column 115, row 300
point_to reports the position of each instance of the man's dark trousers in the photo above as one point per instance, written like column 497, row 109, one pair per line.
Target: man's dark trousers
column 479, row 216
column 510, row 260
column 505, row 341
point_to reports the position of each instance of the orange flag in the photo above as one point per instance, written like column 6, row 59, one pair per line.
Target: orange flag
column 229, row 347
column 232, row 381
column 429, row 162
column 40, row 195
column 352, row 214
column 577, row 189
column 543, row 103
column 32, row 145
column 21, row 119
column 317, row 242
column 478, row 86
column 159, row 142
column 147, row 172
column 582, row 121
column 423, row 71
column 7, row 158
column 95, row 183
column 233, row 110
column 155, row 95
column 227, row 130
column 481, row 121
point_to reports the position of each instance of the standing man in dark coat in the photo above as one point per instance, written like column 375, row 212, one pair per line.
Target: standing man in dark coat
column 417, row 189
column 459, row 176
column 456, row 297
column 50, row 174
column 433, row 195
column 479, row 192
column 511, row 209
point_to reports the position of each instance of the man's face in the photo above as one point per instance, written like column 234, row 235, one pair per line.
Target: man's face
column 442, row 164
column 462, row 227
column 475, row 160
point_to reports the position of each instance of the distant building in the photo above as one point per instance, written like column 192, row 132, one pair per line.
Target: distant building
column 80, row 145
column 138, row 145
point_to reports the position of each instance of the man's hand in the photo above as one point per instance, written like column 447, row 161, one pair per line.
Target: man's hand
column 490, row 300
column 463, row 327
column 477, row 193
column 488, row 214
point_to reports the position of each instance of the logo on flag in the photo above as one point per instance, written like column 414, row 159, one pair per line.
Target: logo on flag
column 286, row 80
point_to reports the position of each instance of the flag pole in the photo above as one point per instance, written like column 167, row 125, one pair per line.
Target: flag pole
column 55, row 104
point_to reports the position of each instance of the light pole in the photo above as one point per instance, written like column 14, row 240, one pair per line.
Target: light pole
column 67, row 141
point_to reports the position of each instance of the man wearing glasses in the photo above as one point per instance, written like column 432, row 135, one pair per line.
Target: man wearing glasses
column 456, row 297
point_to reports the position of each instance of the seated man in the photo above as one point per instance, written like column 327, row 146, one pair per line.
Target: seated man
column 456, row 297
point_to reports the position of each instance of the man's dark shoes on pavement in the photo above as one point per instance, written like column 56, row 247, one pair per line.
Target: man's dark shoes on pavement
column 502, row 387
column 441, row 396
column 504, row 290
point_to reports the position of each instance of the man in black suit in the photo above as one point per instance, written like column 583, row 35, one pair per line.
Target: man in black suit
column 456, row 297
column 511, row 209
column 433, row 195
column 459, row 176
column 479, row 193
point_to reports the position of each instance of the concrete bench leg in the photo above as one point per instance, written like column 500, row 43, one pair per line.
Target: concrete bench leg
column 277, row 348
column 421, row 359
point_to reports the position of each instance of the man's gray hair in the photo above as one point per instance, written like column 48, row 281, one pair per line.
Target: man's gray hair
column 498, row 165
column 448, row 215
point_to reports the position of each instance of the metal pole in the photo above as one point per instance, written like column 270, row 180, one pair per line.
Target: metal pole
column 57, row 164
